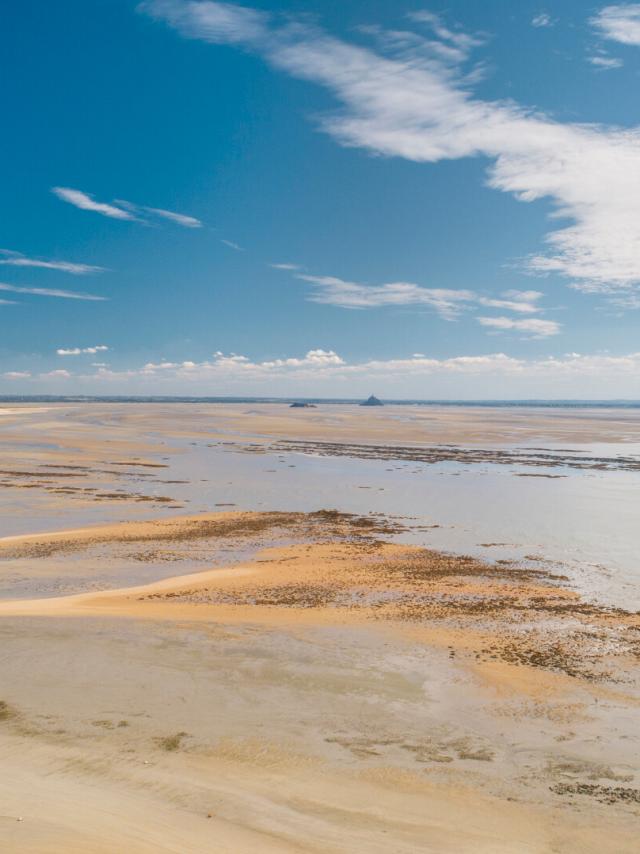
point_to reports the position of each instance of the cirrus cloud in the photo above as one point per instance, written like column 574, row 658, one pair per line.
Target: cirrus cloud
column 86, row 202
column 51, row 292
column 394, row 102
column 17, row 259
column 447, row 303
column 121, row 209
column 533, row 327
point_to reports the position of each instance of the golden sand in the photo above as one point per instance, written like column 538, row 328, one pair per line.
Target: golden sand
column 292, row 682
column 278, row 708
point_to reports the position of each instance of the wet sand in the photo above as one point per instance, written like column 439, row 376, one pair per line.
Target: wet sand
column 288, row 681
column 341, row 693
column 558, row 485
column 123, row 455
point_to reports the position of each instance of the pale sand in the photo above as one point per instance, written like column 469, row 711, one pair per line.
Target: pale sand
column 287, row 806
column 120, row 431
column 295, row 700
column 335, row 693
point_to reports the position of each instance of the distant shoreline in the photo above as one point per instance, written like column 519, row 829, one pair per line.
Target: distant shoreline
column 546, row 404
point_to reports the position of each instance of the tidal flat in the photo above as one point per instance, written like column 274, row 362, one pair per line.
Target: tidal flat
column 234, row 628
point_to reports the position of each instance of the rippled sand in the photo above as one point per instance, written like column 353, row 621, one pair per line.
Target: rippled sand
column 340, row 693
column 175, row 678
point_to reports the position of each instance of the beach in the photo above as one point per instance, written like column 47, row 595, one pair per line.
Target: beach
column 242, row 627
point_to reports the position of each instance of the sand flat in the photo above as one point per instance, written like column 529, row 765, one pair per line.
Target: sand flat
column 237, row 708
column 279, row 676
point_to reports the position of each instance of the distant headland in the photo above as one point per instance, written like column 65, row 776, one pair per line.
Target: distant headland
column 372, row 401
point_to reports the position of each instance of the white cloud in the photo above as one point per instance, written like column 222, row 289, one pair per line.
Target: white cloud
column 78, row 351
column 522, row 302
column 605, row 63
column 16, row 375
column 219, row 23
column 313, row 359
column 627, row 301
column 620, row 23
column 56, row 375
column 17, row 259
column 333, row 291
column 453, row 44
column 290, row 267
column 533, row 327
column 397, row 104
column 121, row 209
column 142, row 211
column 323, row 372
column 542, row 19
column 314, row 363
column 86, row 202
column 180, row 219
column 448, row 303
column 232, row 245
column 51, row 292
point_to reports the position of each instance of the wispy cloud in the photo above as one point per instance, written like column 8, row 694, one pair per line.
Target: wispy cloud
column 290, row 267
column 627, row 301
column 447, row 303
column 604, row 62
column 452, row 44
column 620, row 23
column 533, row 327
column 425, row 111
column 79, row 351
column 59, row 374
column 51, row 292
column 333, row 291
column 180, row 219
column 121, row 209
column 17, row 259
column 219, row 23
column 522, row 302
column 16, row 375
column 232, row 245
column 542, row 19
column 144, row 213
column 86, row 202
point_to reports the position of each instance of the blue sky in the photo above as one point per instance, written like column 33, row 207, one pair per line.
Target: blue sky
column 322, row 198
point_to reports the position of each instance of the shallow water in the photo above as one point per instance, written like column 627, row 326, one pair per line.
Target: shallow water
column 588, row 521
